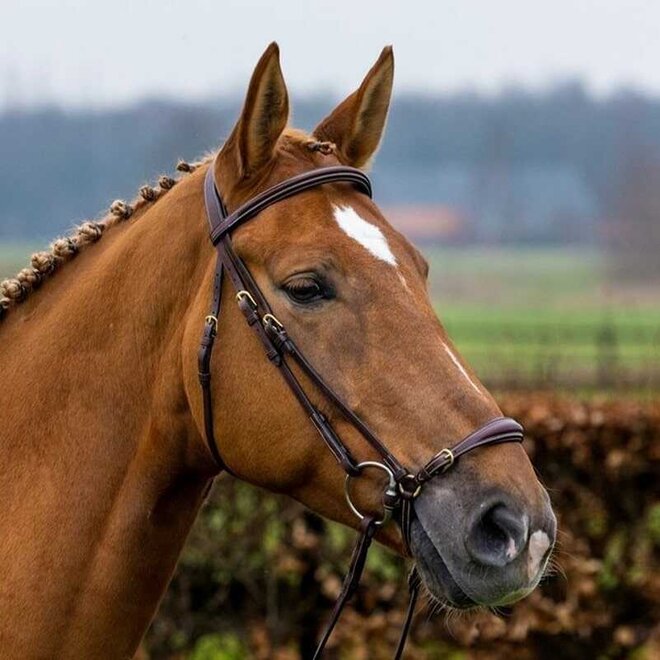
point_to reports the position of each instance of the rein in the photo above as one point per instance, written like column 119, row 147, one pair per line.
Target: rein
column 403, row 485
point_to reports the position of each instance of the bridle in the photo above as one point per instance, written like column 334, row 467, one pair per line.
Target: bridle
column 403, row 485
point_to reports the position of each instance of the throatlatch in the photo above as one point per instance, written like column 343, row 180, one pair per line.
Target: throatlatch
column 403, row 485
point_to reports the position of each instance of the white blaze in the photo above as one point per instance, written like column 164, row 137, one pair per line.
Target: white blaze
column 366, row 234
column 372, row 238
column 461, row 368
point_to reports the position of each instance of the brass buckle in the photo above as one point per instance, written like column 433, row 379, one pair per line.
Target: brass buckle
column 243, row 294
column 270, row 318
column 450, row 457
column 409, row 495
column 390, row 491
column 212, row 320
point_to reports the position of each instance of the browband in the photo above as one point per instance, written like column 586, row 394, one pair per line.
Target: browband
column 222, row 224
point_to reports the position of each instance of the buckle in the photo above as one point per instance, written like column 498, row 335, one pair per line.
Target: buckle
column 246, row 295
column 212, row 321
column 409, row 486
column 270, row 319
column 450, row 457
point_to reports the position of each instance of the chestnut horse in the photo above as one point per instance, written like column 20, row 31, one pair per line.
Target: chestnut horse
column 104, row 465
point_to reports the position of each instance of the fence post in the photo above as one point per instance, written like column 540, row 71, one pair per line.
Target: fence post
column 607, row 357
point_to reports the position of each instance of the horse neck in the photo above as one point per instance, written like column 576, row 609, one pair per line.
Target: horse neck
column 103, row 469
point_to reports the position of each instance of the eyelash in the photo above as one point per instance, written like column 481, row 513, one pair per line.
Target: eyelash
column 307, row 289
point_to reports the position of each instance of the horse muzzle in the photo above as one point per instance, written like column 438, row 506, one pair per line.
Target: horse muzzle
column 489, row 550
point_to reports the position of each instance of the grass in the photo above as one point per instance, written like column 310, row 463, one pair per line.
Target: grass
column 520, row 278
column 547, row 317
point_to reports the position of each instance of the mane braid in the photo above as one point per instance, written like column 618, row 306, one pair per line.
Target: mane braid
column 43, row 265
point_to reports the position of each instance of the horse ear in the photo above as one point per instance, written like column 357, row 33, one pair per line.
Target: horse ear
column 264, row 116
column 356, row 125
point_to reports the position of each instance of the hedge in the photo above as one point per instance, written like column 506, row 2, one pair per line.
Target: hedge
column 259, row 573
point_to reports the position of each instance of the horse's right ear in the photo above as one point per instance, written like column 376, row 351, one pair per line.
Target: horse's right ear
column 264, row 116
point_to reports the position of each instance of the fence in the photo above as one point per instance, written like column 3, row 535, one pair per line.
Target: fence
column 603, row 355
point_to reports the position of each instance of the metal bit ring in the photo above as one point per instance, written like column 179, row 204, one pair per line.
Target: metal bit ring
column 391, row 490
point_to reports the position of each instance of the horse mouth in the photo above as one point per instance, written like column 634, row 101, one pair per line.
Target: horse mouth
column 434, row 572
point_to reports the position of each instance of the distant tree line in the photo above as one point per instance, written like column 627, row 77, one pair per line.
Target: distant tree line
column 561, row 166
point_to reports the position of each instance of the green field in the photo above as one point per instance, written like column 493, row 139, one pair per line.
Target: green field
column 531, row 317
column 543, row 348
column 547, row 318
column 504, row 278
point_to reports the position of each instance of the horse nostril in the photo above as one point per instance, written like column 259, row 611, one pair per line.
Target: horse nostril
column 497, row 536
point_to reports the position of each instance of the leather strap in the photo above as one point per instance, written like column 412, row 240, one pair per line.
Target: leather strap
column 204, row 364
column 255, row 307
column 369, row 526
column 286, row 189
column 413, row 589
column 214, row 202
column 496, row 431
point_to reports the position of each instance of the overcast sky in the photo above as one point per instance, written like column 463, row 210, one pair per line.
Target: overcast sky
column 101, row 52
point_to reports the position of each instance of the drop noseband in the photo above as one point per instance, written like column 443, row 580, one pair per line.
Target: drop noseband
column 403, row 485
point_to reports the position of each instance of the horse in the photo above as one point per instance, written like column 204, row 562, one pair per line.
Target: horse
column 105, row 455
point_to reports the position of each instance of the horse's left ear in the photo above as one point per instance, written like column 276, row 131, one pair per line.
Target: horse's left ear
column 356, row 125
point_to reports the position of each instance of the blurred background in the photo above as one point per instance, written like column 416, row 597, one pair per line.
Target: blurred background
column 522, row 156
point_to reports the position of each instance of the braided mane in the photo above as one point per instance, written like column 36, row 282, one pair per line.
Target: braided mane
column 43, row 265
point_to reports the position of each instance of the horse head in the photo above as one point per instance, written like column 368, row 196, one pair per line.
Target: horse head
column 352, row 293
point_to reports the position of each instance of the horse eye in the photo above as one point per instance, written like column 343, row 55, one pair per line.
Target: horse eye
column 304, row 290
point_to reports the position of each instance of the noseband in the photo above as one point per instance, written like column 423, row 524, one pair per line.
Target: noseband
column 403, row 485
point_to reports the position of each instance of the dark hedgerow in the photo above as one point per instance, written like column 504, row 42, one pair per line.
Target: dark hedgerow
column 259, row 573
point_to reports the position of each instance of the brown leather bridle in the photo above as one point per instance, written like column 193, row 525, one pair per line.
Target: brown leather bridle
column 403, row 485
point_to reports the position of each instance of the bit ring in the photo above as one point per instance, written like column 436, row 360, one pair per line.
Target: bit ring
column 390, row 490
